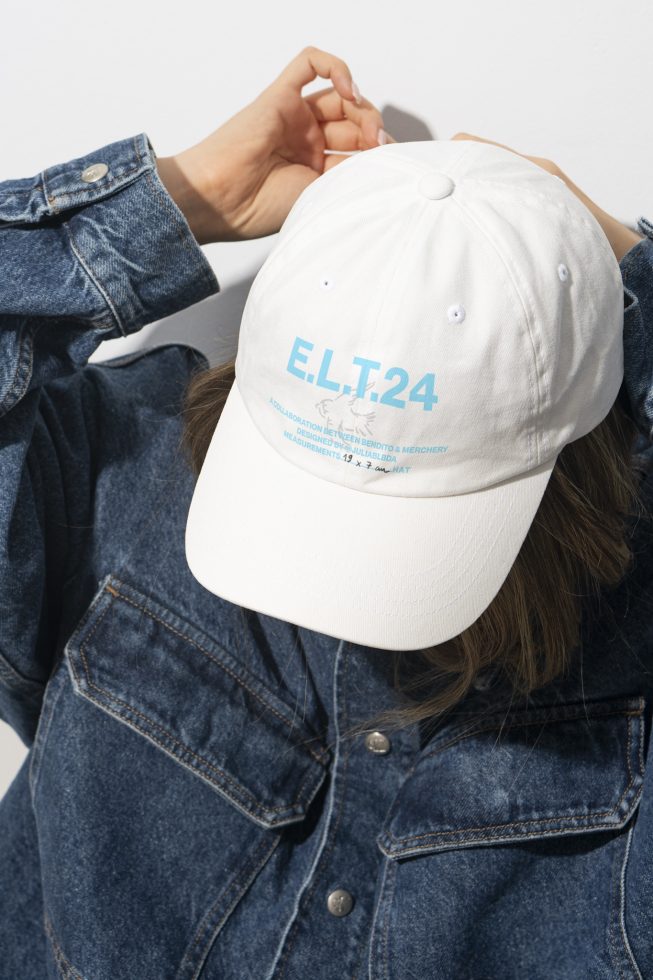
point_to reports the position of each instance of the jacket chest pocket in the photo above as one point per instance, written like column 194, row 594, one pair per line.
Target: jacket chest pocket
column 164, row 777
column 506, row 848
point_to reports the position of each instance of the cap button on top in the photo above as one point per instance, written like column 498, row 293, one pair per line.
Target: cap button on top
column 94, row 172
column 435, row 186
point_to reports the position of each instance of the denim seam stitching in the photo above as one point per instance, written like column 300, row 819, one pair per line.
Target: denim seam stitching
column 244, row 884
column 41, row 737
column 13, row 680
column 240, row 882
column 308, row 884
column 521, row 823
column 319, row 757
column 386, row 929
column 491, row 838
column 24, row 368
column 95, row 188
column 378, row 916
column 622, row 902
column 616, row 955
column 94, row 278
column 65, row 968
column 597, row 711
column 331, row 831
column 256, row 805
column 241, row 791
column 204, row 925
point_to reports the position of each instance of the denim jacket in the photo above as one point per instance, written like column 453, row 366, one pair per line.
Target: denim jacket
column 191, row 805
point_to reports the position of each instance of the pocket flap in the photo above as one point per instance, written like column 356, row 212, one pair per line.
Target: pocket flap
column 168, row 680
column 564, row 769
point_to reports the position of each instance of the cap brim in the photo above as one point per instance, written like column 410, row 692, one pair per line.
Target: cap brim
column 396, row 573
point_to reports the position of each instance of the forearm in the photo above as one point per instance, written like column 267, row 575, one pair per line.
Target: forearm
column 621, row 237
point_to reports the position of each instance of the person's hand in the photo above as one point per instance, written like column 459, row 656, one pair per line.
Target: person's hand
column 621, row 238
column 241, row 181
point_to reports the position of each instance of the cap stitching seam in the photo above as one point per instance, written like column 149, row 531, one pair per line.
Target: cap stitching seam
column 580, row 215
column 529, row 314
column 390, row 279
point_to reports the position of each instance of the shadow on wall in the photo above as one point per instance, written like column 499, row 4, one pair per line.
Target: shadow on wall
column 404, row 127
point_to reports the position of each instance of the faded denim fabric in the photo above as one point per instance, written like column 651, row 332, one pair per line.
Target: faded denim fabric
column 190, row 798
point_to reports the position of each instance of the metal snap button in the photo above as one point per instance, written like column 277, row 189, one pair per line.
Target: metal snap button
column 340, row 902
column 94, row 172
column 377, row 742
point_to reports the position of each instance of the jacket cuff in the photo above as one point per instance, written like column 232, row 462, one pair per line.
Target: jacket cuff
column 123, row 227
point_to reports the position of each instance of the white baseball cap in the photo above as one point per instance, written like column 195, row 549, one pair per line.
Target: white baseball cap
column 435, row 321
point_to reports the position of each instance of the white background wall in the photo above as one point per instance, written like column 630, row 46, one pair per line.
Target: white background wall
column 563, row 79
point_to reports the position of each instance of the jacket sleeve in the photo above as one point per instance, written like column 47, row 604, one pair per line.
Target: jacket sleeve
column 637, row 274
column 90, row 250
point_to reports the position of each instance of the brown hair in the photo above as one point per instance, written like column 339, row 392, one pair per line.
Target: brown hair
column 577, row 545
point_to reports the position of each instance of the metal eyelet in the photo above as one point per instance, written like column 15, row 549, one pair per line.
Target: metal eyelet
column 456, row 313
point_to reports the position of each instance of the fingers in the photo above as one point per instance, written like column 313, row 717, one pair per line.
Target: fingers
column 343, row 135
column 312, row 62
column 367, row 118
column 335, row 103
column 346, row 126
